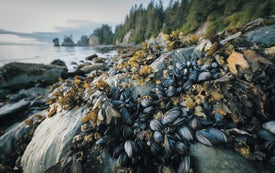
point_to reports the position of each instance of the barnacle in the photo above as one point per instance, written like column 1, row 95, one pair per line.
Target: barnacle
column 212, row 49
column 236, row 59
column 52, row 111
column 28, row 121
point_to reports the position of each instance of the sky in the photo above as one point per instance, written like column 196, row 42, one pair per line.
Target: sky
column 56, row 16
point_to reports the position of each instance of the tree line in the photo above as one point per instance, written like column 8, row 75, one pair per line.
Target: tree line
column 185, row 16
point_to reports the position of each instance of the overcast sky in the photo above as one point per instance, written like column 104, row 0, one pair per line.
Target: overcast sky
column 57, row 15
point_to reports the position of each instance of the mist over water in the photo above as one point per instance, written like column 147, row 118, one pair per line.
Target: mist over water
column 31, row 51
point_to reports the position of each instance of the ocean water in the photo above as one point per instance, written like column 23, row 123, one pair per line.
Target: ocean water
column 28, row 51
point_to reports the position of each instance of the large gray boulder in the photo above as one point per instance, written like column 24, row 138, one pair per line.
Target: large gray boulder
column 264, row 36
column 10, row 110
column 51, row 140
column 219, row 160
column 17, row 75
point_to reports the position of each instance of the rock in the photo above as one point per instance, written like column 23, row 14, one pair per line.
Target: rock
column 12, row 109
column 56, row 42
column 212, row 160
column 98, row 60
column 270, row 52
column 8, row 140
column 102, row 165
column 68, row 41
column 92, row 67
column 93, row 40
column 84, row 41
column 19, row 75
column 59, row 63
column 91, row 57
column 264, row 36
column 30, row 94
column 14, row 141
column 51, row 140
column 4, row 93
column 160, row 40
column 83, row 64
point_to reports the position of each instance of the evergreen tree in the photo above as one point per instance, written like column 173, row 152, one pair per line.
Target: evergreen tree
column 104, row 34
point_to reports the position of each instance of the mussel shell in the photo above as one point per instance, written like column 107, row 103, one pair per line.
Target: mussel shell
column 218, row 117
column 117, row 102
column 204, row 137
column 194, row 124
column 168, row 144
column 118, row 150
column 158, row 137
column 170, row 91
column 146, row 101
column 181, row 148
column 185, row 133
column 123, row 160
column 126, row 95
column 127, row 131
column 270, row 126
column 264, row 134
column 211, row 137
column 155, row 125
column 179, row 66
column 193, row 74
column 115, row 93
column 187, row 85
column 144, row 117
column 130, row 148
column 103, row 140
column 166, row 169
column 125, row 116
column 184, row 165
column 171, row 116
column 168, row 82
column 271, row 161
column 219, row 135
column 155, row 148
column 179, row 121
column 149, row 110
column 203, row 76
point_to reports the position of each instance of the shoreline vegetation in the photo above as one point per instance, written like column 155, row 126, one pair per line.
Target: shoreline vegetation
column 184, row 16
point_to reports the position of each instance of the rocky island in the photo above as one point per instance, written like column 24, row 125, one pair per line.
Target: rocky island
column 203, row 105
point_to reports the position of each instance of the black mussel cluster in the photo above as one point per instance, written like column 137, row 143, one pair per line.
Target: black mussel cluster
column 198, row 100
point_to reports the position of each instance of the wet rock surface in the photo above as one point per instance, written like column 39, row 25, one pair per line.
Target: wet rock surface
column 212, row 160
column 19, row 75
column 13, row 109
column 263, row 36
column 51, row 141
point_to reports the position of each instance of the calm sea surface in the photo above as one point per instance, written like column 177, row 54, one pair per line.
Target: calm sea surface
column 46, row 53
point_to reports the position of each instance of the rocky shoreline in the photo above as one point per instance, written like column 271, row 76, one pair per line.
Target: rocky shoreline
column 202, row 106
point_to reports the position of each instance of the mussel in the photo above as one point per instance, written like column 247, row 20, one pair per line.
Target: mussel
column 171, row 116
column 155, row 125
column 158, row 137
column 130, row 148
column 184, row 165
column 185, row 134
